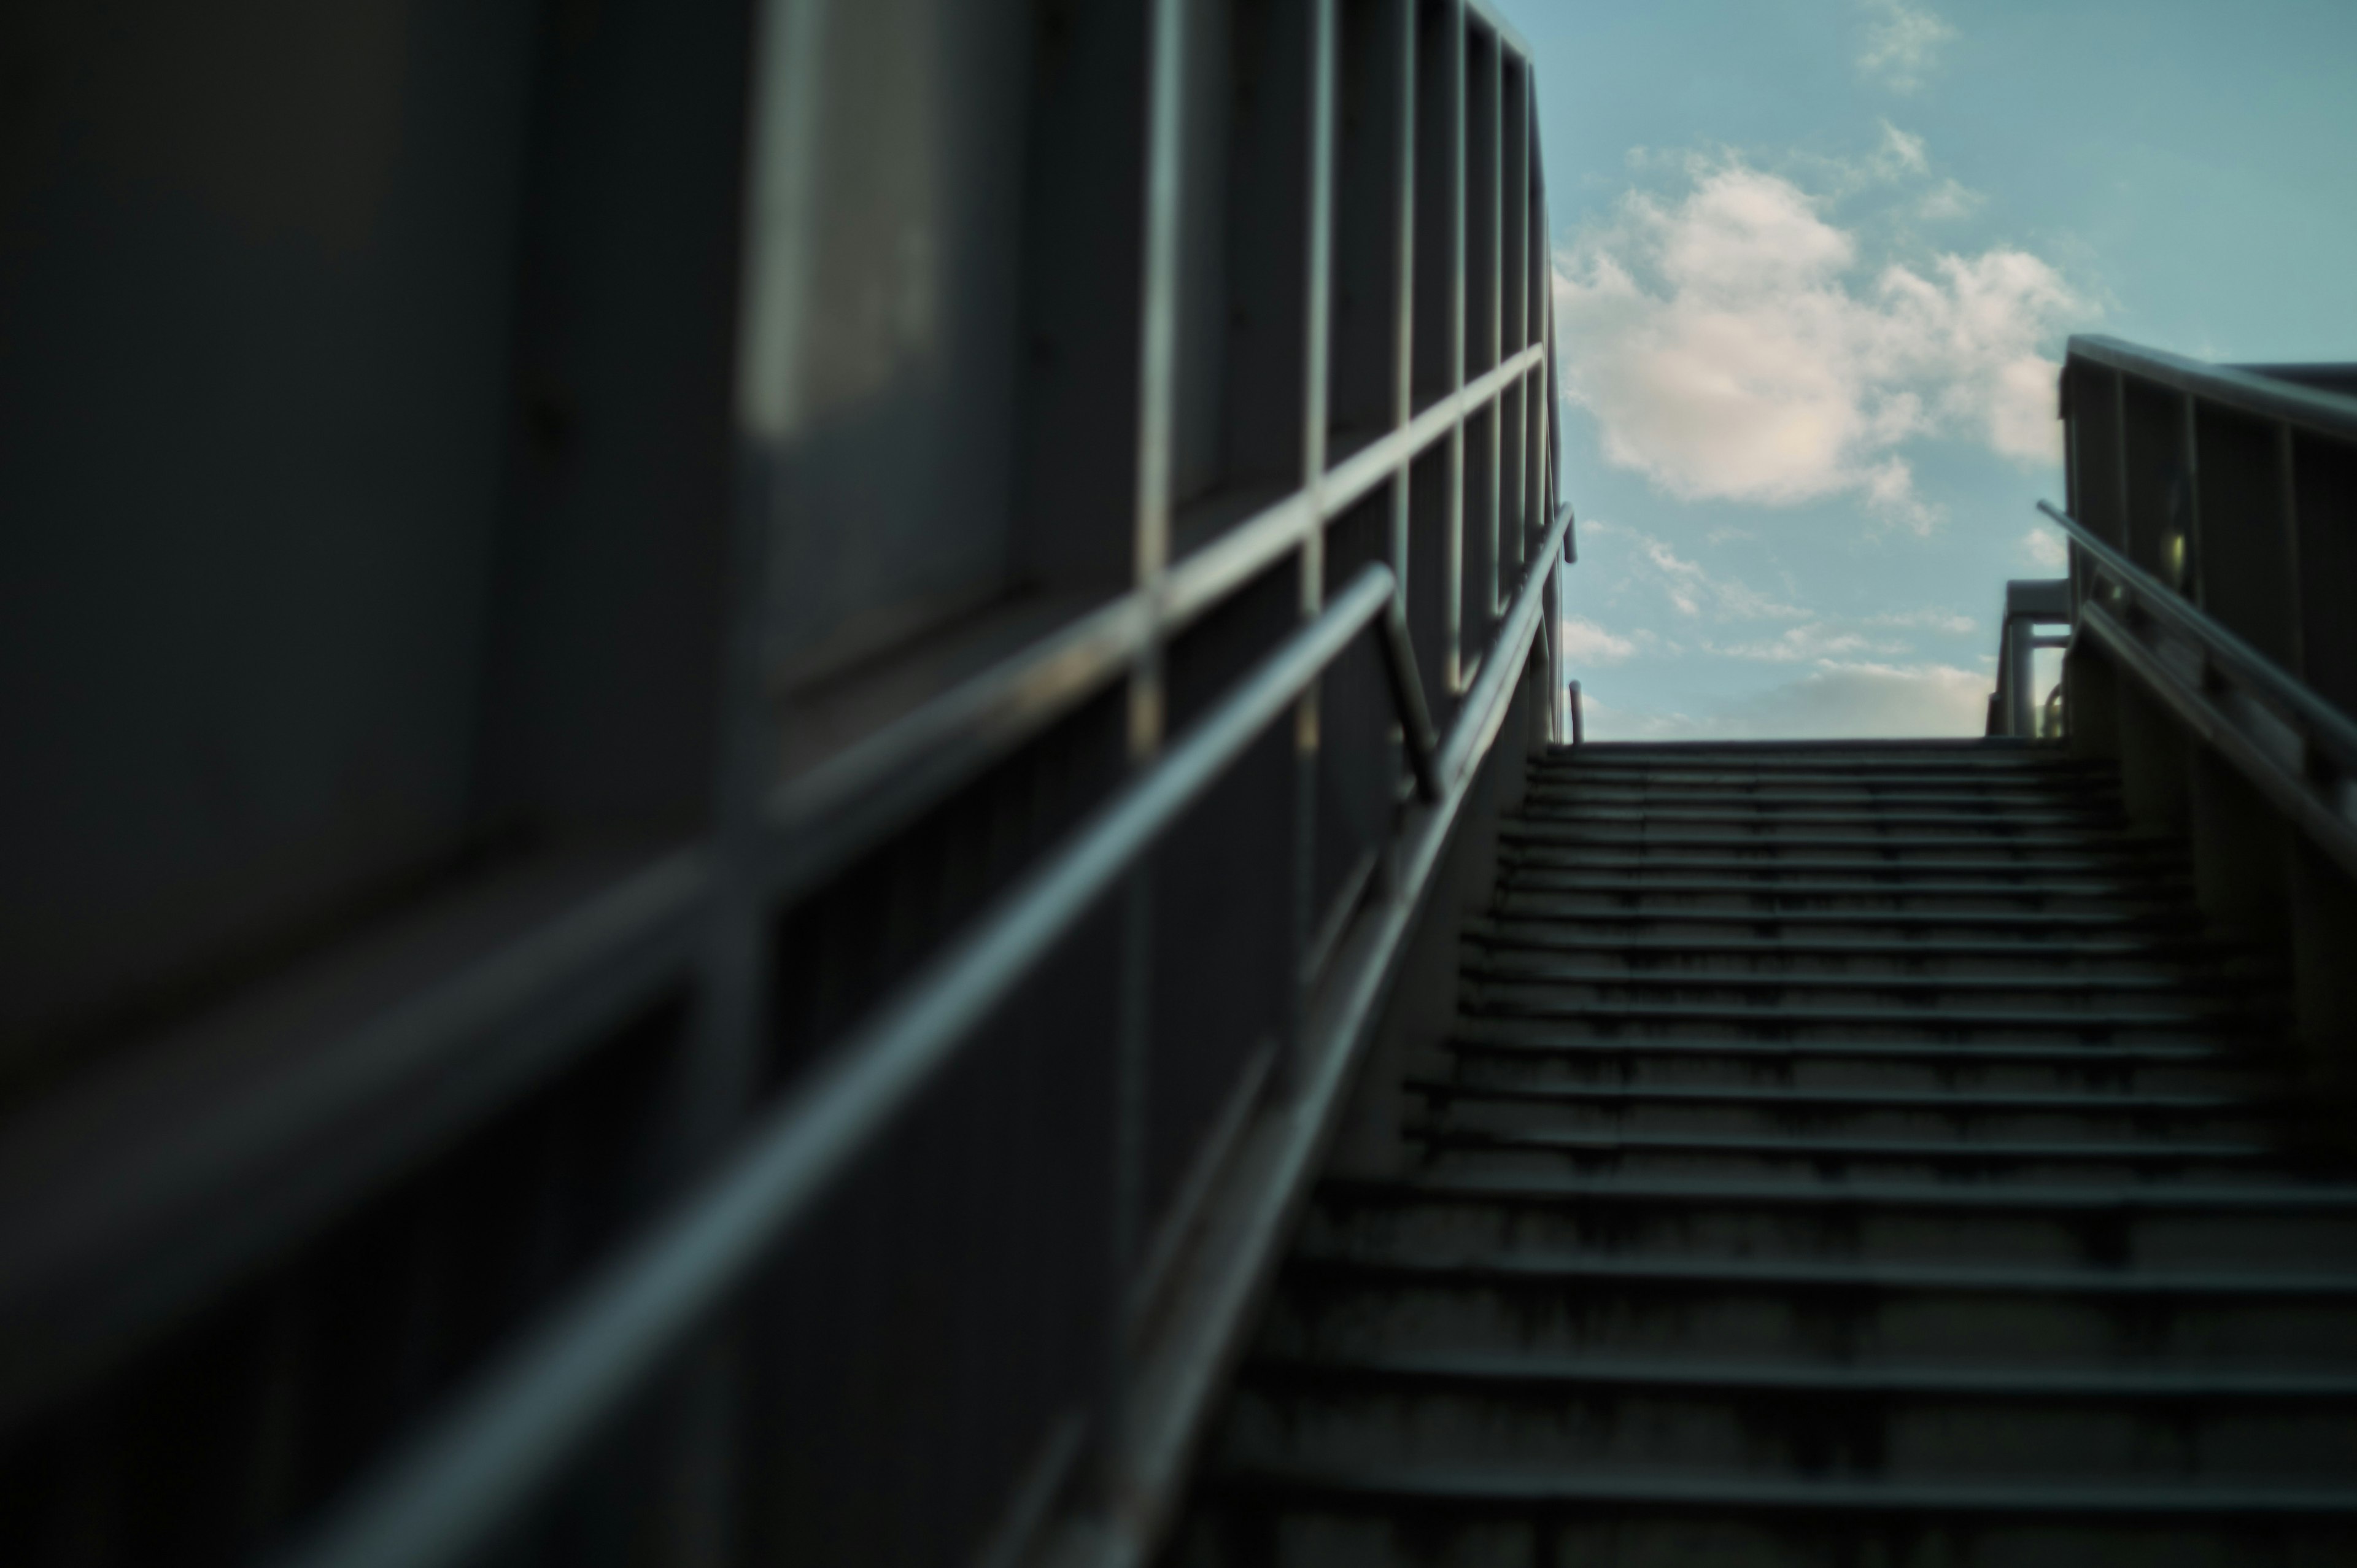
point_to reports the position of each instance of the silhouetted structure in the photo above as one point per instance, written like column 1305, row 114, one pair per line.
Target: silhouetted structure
column 723, row 720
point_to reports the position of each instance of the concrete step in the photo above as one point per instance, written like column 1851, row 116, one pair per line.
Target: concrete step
column 1575, row 1301
column 1779, row 793
column 1601, row 1414
column 1272, row 1517
column 1577, row 914
column 1819, row 773
column 1832, row 806
column 1855, row 1017
column 1846, row 954
column 1467, row 1151
column 1507, row 1053
column 1941, row 1115
column 1766, row 890
column 1992, row 839
column 2300, row 1229
column 1816, row 981
column 1680, row 816
column 1771, row 862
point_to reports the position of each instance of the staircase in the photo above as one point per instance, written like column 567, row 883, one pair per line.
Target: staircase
column 1844, row 1155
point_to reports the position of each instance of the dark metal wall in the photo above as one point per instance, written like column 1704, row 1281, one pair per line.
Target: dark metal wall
column 586, row 587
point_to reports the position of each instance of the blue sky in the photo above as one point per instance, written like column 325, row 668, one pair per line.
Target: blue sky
column 1814, row 263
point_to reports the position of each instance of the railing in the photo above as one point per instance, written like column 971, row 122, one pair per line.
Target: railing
column 875, row 1159
column 2299, row 750
column 2212, row 523
column 474, row 1472
column 2029, row 605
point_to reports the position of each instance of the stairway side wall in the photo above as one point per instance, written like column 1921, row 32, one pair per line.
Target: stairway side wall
column 1421, row 1003
column 2257, row 878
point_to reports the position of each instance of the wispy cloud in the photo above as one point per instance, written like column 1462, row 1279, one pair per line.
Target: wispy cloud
column 1586, row 643
column 1900, row 40
column 2042, row 547
column 1691, row 588
column 1927, row 618
column 1733, row 343
column 1946, row 201
column 1815, row 642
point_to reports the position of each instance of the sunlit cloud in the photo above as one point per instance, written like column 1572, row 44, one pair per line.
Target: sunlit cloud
column 1734, row 343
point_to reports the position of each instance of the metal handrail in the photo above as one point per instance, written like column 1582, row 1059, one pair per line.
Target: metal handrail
column 2322, row 726
column 466, row 1473
column 2248, row 390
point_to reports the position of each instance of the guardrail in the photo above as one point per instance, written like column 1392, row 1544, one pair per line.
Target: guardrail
column 2211, row 522
column 864, row 1148
column 476, row 1470
column 2298, row 749
column 2027, row 605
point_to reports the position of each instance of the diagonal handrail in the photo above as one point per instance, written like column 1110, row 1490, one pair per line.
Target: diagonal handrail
column 466, row 1473
column 2324, row 727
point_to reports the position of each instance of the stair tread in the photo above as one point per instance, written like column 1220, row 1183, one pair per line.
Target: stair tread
column 2020, row 920
column 1824, row 1380
column 1788, row 1016
column 1545, row 831
column 1787, row 1274
column 1543, row 936
column 1755, row 1193
column 2051, row 887
column 2170, row 1497
column 1806, row 980
column 1468, row 1038
column 1873, row 1099
column 1990, row 1151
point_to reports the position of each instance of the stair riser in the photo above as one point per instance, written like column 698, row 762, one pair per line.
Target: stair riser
column 1927, row 1126
column 1599, row 895
column 1518, row 1069
column 1334, row 1419
column 1552, row 800
column 1767, row 850
column 1493, row 985
column 1603, row 1228
column 1507, row 1161
column 1633, row 1023
column 1357, row 1312
column 1267, row 1534
column 1512, row 953
column 1622, row 916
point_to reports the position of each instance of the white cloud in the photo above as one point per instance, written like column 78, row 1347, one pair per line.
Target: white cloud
column 1838, row 701
column 1901, row 39
column 2042, row 547
column 1727, row 353
column 1586, row 643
